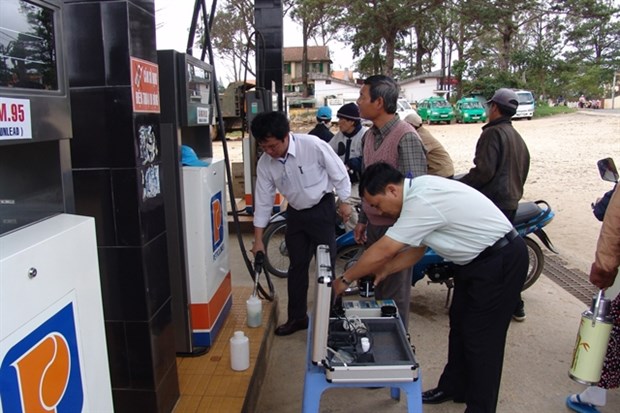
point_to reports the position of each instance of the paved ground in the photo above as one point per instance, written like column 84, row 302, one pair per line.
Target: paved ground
column 537, row 358
column 538, row 351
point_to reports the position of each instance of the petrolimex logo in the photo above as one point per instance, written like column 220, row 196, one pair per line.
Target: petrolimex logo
column 217, row 224
column 41, row 373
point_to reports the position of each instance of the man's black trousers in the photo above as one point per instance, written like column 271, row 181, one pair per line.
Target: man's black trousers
column 485, row 295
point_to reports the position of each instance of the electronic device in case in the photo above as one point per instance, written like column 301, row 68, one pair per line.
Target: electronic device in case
column 355, row 348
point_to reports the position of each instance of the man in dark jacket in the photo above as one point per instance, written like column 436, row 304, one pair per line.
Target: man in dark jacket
column 502, row 161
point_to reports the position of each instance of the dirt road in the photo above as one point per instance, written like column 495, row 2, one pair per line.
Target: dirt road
column 564, row 150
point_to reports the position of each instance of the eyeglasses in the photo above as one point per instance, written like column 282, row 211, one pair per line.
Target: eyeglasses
column 271, row 147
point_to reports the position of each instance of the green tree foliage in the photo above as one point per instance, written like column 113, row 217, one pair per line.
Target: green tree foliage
column 313, row 16
column 552, row 47
column 232, row 36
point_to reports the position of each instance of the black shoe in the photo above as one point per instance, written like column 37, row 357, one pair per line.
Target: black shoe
column 435, row 396
column 292, row 326
column 519, row 313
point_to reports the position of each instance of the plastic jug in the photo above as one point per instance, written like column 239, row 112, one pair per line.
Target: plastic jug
column 255, row 311
column 239, row 351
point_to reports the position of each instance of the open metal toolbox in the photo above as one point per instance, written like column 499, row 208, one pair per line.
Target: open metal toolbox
column 337, row 341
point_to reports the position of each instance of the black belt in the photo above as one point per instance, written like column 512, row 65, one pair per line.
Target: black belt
column 505, row 240
column 499, row 244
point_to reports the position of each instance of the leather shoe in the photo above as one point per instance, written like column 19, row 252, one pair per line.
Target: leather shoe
column 435, row 396
column 292, row 326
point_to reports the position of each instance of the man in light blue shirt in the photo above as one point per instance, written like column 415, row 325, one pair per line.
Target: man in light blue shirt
column 462, row 226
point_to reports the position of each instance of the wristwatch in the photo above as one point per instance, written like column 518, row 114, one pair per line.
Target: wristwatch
column 344, row 280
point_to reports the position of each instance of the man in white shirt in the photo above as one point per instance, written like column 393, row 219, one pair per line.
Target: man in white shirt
column 305, row 170
column 463, row 226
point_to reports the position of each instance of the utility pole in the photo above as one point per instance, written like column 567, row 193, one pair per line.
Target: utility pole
column 613, row 89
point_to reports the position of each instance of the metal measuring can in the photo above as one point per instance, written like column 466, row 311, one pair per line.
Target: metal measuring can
column 592, row 339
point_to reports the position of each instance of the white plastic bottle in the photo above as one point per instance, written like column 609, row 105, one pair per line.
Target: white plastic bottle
column 255, row 311
column 239, row 351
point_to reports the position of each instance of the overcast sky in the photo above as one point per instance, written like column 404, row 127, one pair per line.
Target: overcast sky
column 174, row 17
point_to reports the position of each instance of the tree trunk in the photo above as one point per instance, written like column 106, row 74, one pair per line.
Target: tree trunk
column 389, row 55
column 304, row 60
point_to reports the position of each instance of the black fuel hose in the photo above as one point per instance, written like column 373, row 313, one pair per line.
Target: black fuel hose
column 220, row 132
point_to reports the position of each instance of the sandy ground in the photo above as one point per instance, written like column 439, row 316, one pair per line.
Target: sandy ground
column 564, row 150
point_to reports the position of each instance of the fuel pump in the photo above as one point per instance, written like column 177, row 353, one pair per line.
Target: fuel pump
column 51, row 311
column 195, row 202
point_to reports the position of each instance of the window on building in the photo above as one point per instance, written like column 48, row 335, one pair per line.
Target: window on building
column 422, row 81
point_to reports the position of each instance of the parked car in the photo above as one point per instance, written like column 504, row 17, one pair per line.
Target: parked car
column 435, row 109
column 527, row 104
column 403, row 108
column 470, row 110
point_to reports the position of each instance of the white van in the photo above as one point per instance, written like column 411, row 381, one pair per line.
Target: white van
column 527, row 105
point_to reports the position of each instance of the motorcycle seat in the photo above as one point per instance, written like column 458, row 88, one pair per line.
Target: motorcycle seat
column 526, row 211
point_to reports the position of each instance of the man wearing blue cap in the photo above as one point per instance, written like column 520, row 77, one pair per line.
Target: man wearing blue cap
column 324, row 119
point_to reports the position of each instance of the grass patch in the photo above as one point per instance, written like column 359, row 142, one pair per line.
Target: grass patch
column 544, row 110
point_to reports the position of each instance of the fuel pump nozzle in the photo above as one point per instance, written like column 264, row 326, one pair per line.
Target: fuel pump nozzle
column 259, row 260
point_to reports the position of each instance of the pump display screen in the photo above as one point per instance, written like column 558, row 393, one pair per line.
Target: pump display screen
column 27, row 46
column 198, row 92
column 199, row 82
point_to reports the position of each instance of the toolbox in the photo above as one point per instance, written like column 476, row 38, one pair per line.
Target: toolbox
column 353, row 348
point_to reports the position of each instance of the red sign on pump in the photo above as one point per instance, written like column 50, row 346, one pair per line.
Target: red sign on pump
column 144, row 86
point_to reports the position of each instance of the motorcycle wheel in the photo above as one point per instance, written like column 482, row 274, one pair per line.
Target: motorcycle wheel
column 535, row 265
column 346, row 257
column 276, row 253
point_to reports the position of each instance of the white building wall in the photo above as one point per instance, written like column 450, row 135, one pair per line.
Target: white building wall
column 335, row 88
column 415, row 91
column 608, row 104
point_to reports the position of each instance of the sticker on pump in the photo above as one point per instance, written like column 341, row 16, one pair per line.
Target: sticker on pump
column 217, row 224
column 15, row 119
column 41, row 371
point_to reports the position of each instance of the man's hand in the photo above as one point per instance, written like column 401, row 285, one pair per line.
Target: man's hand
column 339, row 286
column 380, row 276
column 359, row 233
column 601, row 278
column 257, row 246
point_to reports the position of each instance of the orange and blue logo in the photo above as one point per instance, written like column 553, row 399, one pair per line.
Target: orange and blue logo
column 41, row 373
column 217, row 224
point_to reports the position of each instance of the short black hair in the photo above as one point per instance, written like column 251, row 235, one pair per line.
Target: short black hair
column 270, row 125
column 377, row 176
column 381, row 86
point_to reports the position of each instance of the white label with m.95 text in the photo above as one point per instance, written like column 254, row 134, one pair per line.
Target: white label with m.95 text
column 15, row 120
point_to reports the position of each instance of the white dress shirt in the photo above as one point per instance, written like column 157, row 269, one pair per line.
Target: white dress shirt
column 309, row 170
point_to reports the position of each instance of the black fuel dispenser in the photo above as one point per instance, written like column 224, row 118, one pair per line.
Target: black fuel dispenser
column 35, row 115
column 187, row 118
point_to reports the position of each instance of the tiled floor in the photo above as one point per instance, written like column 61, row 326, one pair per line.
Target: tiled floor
column 207, row 382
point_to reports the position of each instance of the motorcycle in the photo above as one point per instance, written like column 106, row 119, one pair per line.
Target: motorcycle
column 531, row 218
